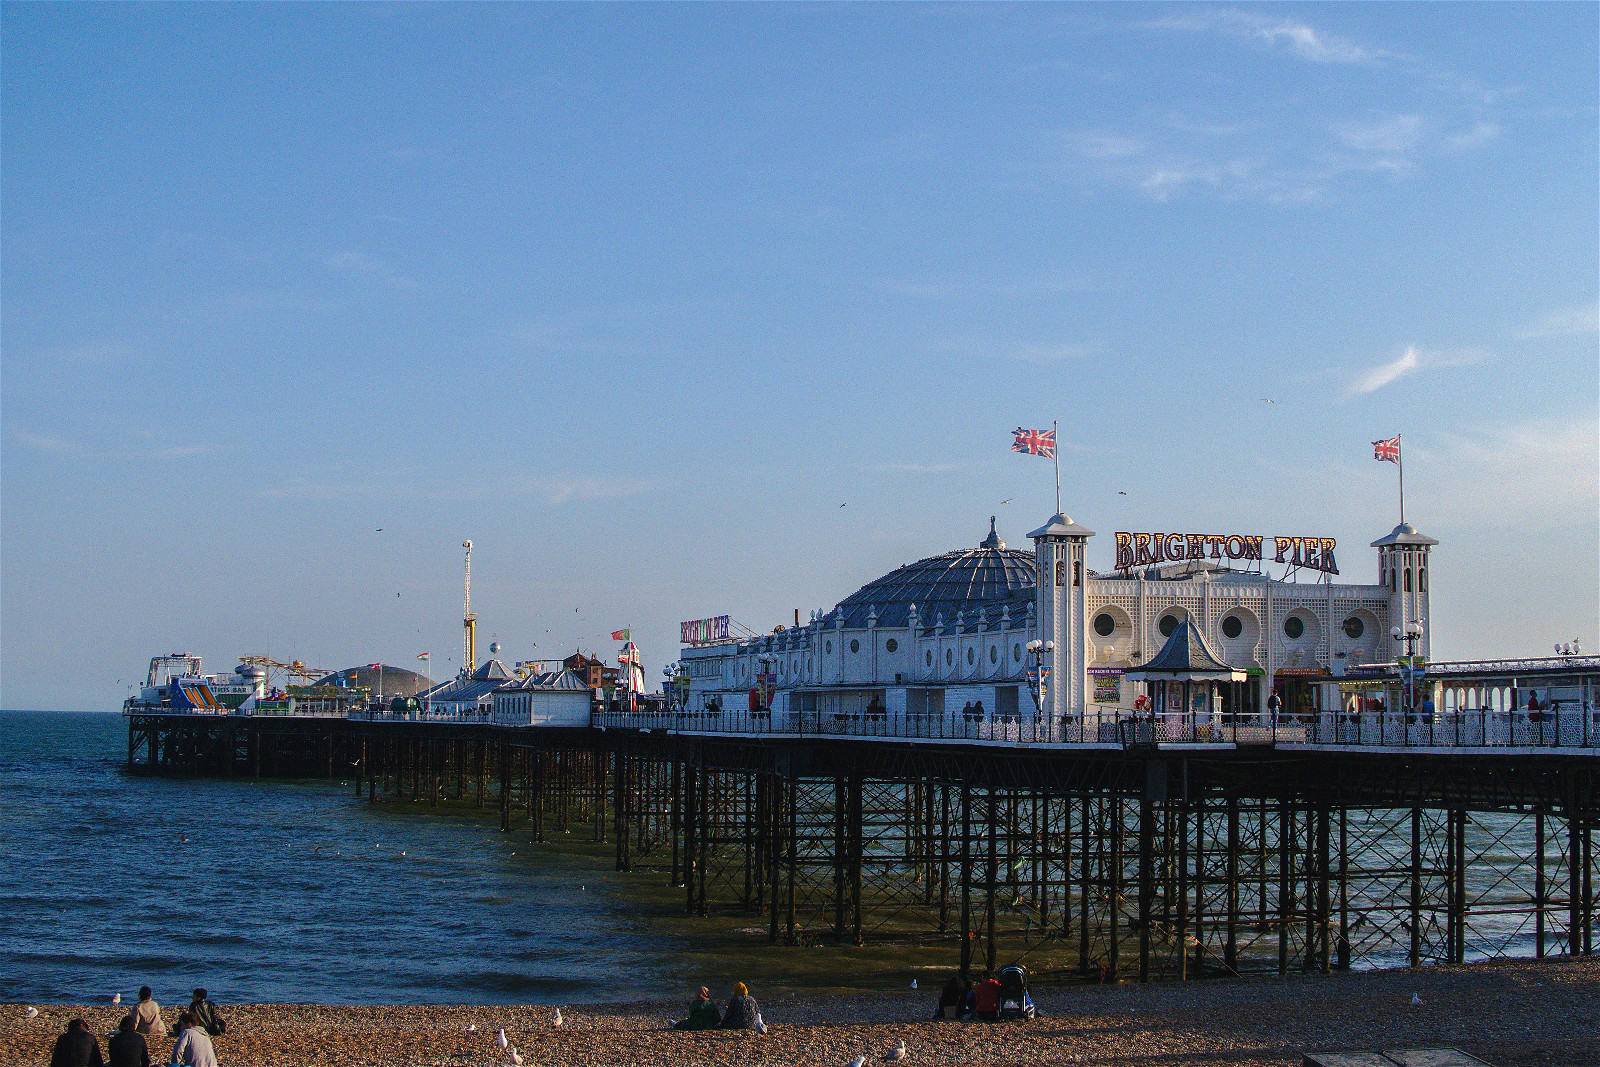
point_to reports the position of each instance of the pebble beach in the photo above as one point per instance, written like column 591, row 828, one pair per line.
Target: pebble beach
column 1510, row 1013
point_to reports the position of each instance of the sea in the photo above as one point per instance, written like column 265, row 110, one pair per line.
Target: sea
column 300, row 892
column 284, row 891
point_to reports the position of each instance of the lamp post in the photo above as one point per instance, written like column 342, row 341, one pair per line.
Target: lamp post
column 1040, row 651
column 1571, row 649
column 767, row 663
column 1411, row 633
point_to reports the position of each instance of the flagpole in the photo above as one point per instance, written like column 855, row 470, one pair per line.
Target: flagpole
column 1056, row 455
column 1400, row 453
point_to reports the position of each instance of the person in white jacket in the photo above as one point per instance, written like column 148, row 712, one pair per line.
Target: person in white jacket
column 193, row 1047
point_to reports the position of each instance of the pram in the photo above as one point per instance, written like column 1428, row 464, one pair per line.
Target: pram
column 1015, row 1003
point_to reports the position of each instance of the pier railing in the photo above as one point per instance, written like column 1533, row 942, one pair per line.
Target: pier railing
column 1571, row 728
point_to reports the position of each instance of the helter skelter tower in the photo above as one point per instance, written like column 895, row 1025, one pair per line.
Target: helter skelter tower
column 469, row 621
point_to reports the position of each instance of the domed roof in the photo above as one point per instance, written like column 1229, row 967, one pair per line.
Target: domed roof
column 973, row 580
column 397, row 681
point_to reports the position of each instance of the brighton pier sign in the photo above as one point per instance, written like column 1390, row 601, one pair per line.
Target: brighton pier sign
column 704, row 631
column 1148, row 549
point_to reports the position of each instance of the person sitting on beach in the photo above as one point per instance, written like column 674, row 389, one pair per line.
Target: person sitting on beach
column 206, row 1015
column 703, row 1014
column 954, row 996
column 193, row 1047
column 76, row 1048
column 986, row 998
column 147, row 1016
column 742, row 1010
column 127, row 1047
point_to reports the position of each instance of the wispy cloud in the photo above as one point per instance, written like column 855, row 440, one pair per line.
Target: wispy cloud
column 1278, row 34
column 1047, row 283
column 550, row 489
column 1480, row 134
column 43, row 442
column 357, row 265
column 1392, row 133
column 915, row 468
column 1412, row 361
column 1541, row 472
column 1567, row 322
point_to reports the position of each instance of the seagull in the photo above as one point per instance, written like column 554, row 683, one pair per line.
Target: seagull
column 557, row 1020
column 1416, row 998
column 761, row 1024
column 500, row 1040
column 842, row 505
column 1007, row 500
column 1266, row 400
column 516, row 1058
column 30, row 1012
column 1122, row 492
column 913, row 983
column 472, row 1028
column 380, row 529
column 859, row 1061
column 896, row 1053
column 116, row 998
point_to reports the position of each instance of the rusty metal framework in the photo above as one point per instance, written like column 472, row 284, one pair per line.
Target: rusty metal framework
column 1099, row 864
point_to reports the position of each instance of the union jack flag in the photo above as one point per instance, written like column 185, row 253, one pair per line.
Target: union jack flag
column 1034, row 442
column 1387, row 450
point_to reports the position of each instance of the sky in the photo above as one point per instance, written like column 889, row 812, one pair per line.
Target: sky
column 680, row 311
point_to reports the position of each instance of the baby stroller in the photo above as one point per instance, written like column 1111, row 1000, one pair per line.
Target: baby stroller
column 1015, row 1003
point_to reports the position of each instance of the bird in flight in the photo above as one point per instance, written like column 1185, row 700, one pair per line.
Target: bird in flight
column 841, row 505
column 1266, row 400
column 1007, row 500
column 1122, row 492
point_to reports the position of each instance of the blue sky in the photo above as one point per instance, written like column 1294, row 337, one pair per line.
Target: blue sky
column 637, row 296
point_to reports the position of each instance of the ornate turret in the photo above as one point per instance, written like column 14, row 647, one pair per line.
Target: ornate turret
column 1403, row 571
column 1058, row 548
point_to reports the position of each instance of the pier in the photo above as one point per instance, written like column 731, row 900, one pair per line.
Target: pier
column 1154, row 851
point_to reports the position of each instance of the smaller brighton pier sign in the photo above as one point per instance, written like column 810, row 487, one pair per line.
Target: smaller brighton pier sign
column 704, row 631
column 1148, row 549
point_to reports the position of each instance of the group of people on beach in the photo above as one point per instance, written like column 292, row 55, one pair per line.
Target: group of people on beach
column 990, row 999
column 196, row 1025
column 742, row 1012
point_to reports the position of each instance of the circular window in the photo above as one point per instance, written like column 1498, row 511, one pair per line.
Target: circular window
column 949, row 657
column 1354, row 627
column 890, row 645
column 855, row 646
column 1016, row 653
column 994, row 654
column 1104, row 624
column 1167, row 624
column 1232, row 627
column 927, row 657
column 1293, row 627
column 971, row 656
column 827, row 647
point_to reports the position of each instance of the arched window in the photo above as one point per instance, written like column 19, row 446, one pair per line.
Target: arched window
column 1077, row 572
column 949, row 658
column 927, row 657
column 1408, row 579
column 994, row 654
column 1061, row 572
column 1422, row 579
column 971, row 657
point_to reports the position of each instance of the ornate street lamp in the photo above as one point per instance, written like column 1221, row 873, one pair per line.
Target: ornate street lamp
column 1040, row 651
column 1410, row 634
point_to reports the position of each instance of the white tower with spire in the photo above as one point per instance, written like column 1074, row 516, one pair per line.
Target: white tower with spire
column 1058, row 549
column 1403, row 571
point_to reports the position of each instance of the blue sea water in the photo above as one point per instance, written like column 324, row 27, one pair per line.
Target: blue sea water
column 284, row 891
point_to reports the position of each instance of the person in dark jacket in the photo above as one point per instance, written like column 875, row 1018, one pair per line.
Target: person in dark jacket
column 127, row 1048
column 205, row 1013
column 742, row 1010
column 703, row 1014
column 77, row 1047
column 954, row 996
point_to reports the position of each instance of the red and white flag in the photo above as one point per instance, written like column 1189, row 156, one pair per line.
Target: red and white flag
column 1387, row 450
column 1034, row 442
column 424, row 655
column 622, row 635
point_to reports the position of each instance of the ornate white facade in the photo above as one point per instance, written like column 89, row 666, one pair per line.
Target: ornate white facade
column 939, row 636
